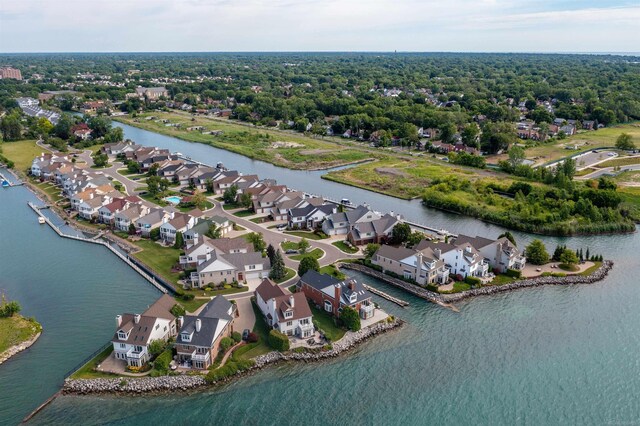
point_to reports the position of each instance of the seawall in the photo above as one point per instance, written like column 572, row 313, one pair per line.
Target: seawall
column 166, row 384
column 446, row 299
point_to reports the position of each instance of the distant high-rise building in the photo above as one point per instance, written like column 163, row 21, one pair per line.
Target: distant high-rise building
column 8, row 72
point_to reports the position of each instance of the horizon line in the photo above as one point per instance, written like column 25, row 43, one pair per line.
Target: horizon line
column 328, row 51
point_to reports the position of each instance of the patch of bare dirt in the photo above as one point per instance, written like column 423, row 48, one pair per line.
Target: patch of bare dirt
column 282, row 144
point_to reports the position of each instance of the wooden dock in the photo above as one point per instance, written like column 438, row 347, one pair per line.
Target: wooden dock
column 384, row 295
column 41, row 406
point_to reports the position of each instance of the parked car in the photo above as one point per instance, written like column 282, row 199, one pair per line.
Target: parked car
column 291, row 251
column 281, row 227
column 245, row 334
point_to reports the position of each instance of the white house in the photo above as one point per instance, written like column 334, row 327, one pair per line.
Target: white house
column 288, row 313
column 135, row 332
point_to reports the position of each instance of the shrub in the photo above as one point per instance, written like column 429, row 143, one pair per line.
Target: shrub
column 278, row 341
column 513, row 273
column 432, row 287
column 473, row 281
column 163, row 360
column 252, row 337
column 226, row 343
column 350, row 318
column 237, row 337
column 227, row 286
column 177, row 310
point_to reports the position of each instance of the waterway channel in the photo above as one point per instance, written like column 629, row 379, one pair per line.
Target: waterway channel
column 553, row 355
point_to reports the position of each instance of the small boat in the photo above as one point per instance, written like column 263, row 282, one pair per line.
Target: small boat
column 5, row 184
column 345, row 202
column 41, row 220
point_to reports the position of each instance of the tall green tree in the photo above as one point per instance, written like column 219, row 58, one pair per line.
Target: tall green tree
column 278, row 269
column 625, row 142
column 536, row 253
column 11, row 127
column 308, row 263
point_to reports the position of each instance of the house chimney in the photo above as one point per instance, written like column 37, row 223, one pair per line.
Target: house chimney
column 437, row 252
column 198, row 325
column 291, row 301
column 419, row 265
column 352, row 285
column 337, row 292
column 180, row 321
column 136, row 318
column 118, row 320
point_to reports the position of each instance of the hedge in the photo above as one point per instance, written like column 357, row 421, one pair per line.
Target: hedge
column 473, row 281
column 513, row 273
column 278, row 341
column 163, row 360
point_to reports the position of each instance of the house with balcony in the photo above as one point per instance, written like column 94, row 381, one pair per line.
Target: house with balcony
column 288, row 313
column 125, row 218
column 200, row 229
column 424, row 267
column 180, row 222
column 135, row 332
column 501, row 254
column 461, row 259
column 107, row 213
column 198, row 340
column 151, row 221
column 332, row 295
column 197, row 252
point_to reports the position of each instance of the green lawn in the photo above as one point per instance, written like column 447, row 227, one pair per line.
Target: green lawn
column 502, row 279
column 592, row 269
column 458, row 287
column 344, row 247
column 290, row 274
column 244, row 213
column 22, row 153
column 289, row 245
column 51, row 190
column 333, row 271
column 160, row 259
column 207, row 205
column 15, row 330
column 307, row 235
column 87, row 371
column 325, row 321
column 316, row 253
column 194, row 304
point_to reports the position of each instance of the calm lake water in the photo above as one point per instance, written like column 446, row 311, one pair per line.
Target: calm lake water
column 537, row 356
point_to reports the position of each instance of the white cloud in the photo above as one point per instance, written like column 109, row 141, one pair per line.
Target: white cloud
column 329, row 25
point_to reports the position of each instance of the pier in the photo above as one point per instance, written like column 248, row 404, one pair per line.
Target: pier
column 96, row 240
column 384, row 295
column 11, row 184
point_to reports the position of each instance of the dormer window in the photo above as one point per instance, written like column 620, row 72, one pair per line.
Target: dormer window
column 185, row 337
column 288, row 314
column 122, row 335
column 353, row 297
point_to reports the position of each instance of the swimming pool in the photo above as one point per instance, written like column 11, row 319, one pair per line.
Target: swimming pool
column 173, row 199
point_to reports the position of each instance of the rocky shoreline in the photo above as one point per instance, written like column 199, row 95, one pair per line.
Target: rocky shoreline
column 16, row 349
column 167, row 384
column 445, row 299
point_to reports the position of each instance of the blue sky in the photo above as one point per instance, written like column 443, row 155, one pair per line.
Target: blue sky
column 319, row 25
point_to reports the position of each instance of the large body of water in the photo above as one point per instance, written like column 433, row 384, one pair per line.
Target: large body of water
column 548, row 355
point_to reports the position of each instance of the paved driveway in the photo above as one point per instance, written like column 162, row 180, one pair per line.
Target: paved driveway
column 247, row 317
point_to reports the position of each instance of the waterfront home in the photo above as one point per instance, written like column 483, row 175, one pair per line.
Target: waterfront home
column 225, row 268
column 125, row 218
column 169, row 168
column 196, row 253
column 423, row 267
column 197, row 232
column 151, row 221
column 81, row 131
column 199, row 338
column 310, row 216
column 501, row 254
column 118, row 148
column 461, row 259
column 281, row 208
column 332, row 294
column 106, row 213
column 179, row 222
column 135, row 332
column 361, row 225
column 288, row 313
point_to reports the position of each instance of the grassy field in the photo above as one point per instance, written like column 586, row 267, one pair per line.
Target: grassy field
column 22, row 153
column 87, row 371
column 160, row 259
column 584, row 141
column 619, row 162
column 51, row 190
column 284, row 149
column 307, row 235
column 344, row 247
column 326, row 322
column 15, row 330
column 399, row 177
column 332, row 270
column 316, row 253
